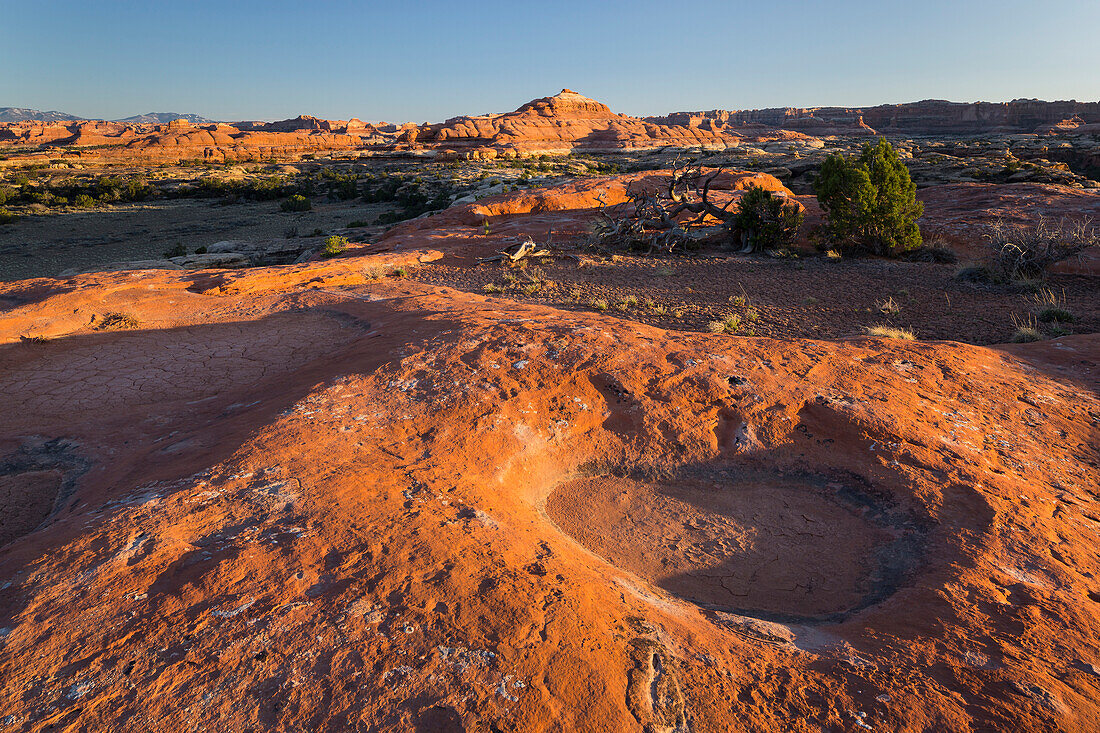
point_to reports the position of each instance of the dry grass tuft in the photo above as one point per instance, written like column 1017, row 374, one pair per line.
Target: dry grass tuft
column 891, row 332
column 889, row 307
column 1027, row 330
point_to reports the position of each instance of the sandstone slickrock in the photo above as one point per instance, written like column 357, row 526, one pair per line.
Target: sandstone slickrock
column 305, row 497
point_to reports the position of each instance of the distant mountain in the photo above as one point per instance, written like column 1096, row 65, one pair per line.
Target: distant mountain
column 19, row 114
column 161, row 118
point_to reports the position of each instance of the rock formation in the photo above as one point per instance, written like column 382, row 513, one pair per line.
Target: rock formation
column 569, row 121
column 305, row 497
column 929, row 117
column 559, row 124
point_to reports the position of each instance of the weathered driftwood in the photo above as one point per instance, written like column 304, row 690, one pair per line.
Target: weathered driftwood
column 653, row 221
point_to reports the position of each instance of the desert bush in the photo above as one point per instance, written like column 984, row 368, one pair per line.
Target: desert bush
column 334, row 245
column 388, row 217
column 973, row 273
column 1054, row 314
column 870, row 202
column 766, row 221
column 297, row 202
column 117, row 322
column 178, row 251
column 1019, row 251
column 7, row 217
column 385, row 191
column 44, row 197
column 117, row 189
column 1050, row 307
column 730, row 324
column 84, row 201
column 935, row 249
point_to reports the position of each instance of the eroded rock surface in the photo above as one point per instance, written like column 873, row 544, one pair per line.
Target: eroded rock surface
column 307, row 497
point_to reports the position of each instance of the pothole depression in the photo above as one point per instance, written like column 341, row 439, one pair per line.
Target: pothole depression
column 764, row 544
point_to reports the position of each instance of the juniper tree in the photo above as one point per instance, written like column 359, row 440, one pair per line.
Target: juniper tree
column 870, row 202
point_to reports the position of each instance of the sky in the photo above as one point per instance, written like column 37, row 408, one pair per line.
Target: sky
column 427, row 61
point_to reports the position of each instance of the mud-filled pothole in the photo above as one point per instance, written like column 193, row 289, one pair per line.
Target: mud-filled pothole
column 784, row 548
column 33, row 481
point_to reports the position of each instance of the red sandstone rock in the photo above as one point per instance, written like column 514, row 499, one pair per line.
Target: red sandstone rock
column 929, row 117
column 962, row 212
column 561, row 123
column 301, row 498
column 567, row 121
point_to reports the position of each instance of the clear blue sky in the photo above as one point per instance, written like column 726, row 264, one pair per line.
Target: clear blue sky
column 402, row 61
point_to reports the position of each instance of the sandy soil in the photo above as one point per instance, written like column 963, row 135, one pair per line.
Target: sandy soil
column 808, row 298
column 48, row 244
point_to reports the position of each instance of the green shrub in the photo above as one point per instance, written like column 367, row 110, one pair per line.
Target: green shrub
column 870, row 201
column 334, row 245
column 84, row 201
column 388, row 217
column 7, row 217
column 178, row 251
column 766, row 221
column 1054, row 314
column 730, row 324
column 297, row 202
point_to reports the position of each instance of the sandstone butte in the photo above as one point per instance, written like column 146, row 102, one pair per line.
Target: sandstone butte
column 562, row 123
column 929, row 117
column 298, row 498
column 557, row 124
